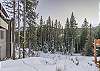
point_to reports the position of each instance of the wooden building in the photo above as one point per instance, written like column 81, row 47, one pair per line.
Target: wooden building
column 6, row 35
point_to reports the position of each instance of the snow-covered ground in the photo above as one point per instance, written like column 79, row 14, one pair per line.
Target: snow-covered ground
column 50, row 62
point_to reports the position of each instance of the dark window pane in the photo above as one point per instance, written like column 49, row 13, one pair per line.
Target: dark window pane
column 2, row 34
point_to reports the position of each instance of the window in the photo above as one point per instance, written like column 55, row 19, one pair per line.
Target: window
column 2, row 34
column 98, row 50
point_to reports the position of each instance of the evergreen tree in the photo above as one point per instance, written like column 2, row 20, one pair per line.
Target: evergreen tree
column 84, row 35
column 66, row 35
column 49, row 22
column 73, row 32
column 40, row 34
column 97, row 36
column 55, row 35
column 59, row 36
column 31, row 16
column 89, row 42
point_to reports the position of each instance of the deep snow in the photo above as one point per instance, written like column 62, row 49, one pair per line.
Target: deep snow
column 50, row 62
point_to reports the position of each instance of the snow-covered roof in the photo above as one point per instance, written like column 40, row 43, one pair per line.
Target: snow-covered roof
column 3, row 24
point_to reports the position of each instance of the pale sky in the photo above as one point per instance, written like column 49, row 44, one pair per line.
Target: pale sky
column 61, row 9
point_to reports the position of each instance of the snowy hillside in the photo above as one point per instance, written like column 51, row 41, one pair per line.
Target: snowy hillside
column 50, row 62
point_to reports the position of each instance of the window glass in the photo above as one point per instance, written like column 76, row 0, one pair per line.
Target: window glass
column 2, row 34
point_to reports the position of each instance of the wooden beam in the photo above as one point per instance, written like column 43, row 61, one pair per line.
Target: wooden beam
column 95, row 57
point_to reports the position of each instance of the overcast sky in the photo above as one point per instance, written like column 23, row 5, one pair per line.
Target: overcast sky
column 61, row 9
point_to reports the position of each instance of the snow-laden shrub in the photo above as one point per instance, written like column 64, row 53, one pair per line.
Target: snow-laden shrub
column 60, row 67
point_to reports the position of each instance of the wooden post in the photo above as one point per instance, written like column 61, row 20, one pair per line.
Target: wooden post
column 14, row 30
column 95, row 57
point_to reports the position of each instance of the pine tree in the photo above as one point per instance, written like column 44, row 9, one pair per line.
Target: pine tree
column 66, row 36
column 84, row 35
column 40, row 34
column 59, row 41
column 49, row 22
column 97, row 36
column 55, row 35
column 89, row 42
column 31, row 16
column 52, row 37
column 73, row 32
